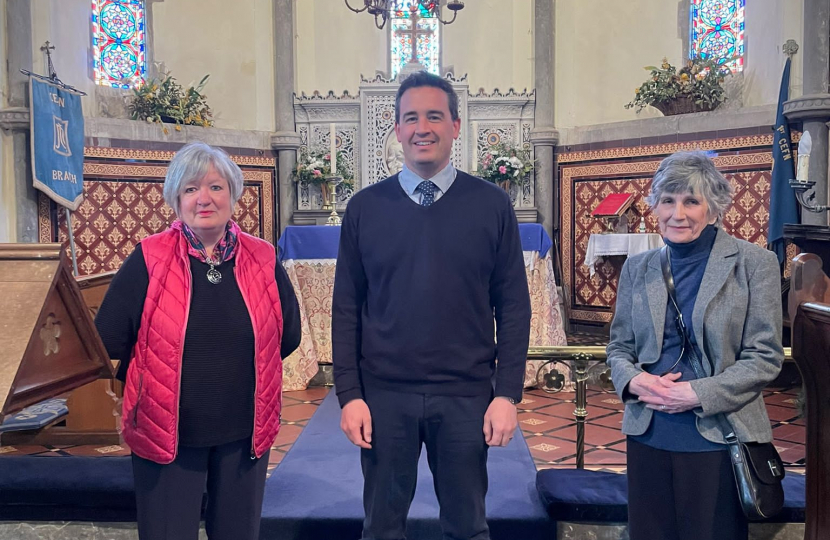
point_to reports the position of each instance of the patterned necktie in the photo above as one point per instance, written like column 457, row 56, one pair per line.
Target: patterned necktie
column 427, row 190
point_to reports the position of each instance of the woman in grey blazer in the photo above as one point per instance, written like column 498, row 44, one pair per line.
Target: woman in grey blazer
column 681, row 485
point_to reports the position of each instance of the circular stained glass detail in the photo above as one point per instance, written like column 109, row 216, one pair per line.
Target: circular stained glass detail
column 493, row 139
column 118, row 22
column 717, row 12
column 719, row 45
column 119, row 61
column 386, row 115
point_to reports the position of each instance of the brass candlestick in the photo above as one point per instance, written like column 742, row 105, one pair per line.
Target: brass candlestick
column 329, row 189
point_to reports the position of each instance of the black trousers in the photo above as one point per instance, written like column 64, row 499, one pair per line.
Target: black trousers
column 451, row 428
column 682, row 496
column 169, row 497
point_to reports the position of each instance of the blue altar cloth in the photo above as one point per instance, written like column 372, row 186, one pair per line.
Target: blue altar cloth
column 309, row 242
column 321, row 241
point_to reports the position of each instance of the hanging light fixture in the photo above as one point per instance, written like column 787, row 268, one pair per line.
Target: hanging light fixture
column 382, row 9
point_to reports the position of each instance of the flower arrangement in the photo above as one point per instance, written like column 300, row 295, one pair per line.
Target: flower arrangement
column 696, row 87
column 165, row 100
column 504, row 164
column 313, row 167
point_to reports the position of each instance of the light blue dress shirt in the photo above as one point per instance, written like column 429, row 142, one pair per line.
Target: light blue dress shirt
column 443, row 180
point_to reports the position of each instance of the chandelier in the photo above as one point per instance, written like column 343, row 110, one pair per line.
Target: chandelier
column 382, row 9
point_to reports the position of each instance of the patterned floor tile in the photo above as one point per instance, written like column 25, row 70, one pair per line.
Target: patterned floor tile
column 605, row 457
column 781, row 414
column 288, row 434
column 298, row 412
column 562, row 410
column 791, row 433
column 533, row 423
column 613, row 420
column 782, row 399
column 546, row 420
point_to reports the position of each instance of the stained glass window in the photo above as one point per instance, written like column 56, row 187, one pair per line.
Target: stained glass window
column 118, row 41
column 718, row 31
column 428, row 48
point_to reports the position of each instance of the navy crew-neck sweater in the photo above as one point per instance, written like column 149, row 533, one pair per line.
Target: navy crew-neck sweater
column 678, row 432
column 417, row 288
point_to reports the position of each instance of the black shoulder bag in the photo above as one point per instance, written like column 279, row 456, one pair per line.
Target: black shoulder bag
column 757, row 466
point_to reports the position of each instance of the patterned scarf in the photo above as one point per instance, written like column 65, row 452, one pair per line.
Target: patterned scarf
column 224, row 250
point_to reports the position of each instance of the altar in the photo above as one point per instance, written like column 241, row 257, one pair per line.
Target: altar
column 309, row 256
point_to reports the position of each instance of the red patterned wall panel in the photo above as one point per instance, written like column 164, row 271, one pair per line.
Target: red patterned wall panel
column 585, row 185
column 123, row 203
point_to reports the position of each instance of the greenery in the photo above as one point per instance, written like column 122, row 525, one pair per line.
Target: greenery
column 314, row 166
column 165, row 100
column 505, row 164
column 697, row 86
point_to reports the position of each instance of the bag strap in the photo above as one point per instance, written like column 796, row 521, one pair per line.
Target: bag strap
column 694, row 359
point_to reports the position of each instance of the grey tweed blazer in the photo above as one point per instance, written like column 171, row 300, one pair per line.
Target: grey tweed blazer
column 737, row 324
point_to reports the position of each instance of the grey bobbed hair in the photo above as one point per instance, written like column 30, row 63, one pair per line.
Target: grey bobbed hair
column 192, row 162
column 695, row 173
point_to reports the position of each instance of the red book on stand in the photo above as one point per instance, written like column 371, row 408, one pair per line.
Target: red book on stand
column 613, row 205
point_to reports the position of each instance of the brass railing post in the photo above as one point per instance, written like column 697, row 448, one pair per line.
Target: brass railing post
column 581, row 361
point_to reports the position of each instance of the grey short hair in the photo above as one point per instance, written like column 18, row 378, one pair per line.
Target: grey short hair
column 695, row 173
column 192, row 162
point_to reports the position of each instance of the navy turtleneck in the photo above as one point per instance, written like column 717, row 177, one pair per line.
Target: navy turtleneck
column 677, row 432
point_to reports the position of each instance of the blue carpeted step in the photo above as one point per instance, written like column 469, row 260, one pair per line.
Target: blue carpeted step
column 46, row 488
column 315, row 493
column 579, row 495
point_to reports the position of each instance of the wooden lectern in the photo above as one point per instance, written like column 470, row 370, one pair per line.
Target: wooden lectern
column 48, row 343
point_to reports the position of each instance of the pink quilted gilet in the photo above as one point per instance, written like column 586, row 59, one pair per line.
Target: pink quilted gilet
column 150, row 414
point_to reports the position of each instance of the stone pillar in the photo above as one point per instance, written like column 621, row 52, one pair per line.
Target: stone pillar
column 15, row 119
column 544, row 136
column 813, row 108
column 286, row 140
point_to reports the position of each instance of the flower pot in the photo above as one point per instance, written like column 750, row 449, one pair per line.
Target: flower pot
column 681, row 105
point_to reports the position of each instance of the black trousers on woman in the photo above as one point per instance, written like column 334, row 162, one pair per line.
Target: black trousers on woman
column 682, row 495
column 169, row 497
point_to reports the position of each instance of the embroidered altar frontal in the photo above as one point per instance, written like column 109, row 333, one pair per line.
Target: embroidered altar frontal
column 587, row 176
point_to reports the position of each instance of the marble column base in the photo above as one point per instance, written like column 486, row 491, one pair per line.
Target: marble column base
column 72, row 530
column 78, row 530
column 757, row 531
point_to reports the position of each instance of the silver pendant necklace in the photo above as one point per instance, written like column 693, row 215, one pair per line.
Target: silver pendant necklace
column 213, row 275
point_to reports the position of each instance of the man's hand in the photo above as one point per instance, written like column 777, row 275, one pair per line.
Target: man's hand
column 356, row 423
column 664, row 393
column 499, row 422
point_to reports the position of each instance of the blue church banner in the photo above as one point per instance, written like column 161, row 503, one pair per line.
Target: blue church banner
column 57, row 142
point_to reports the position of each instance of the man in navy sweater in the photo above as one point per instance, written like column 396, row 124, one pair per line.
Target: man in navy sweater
column 427, row 258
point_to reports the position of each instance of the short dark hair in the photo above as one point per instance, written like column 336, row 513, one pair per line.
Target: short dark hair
column 425, row 78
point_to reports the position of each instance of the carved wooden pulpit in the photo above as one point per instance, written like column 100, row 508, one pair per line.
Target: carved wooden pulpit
column 48, row 343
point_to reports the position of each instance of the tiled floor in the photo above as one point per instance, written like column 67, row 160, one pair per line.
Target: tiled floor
column 547, row 421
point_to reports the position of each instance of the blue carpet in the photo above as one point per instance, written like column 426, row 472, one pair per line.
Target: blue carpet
column 315, row 493
column 34, row 488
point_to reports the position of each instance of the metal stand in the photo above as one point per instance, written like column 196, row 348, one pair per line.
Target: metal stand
column 582, row 363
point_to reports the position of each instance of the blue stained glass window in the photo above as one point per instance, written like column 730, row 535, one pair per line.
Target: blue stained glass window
column 118, row 42
column 717, row 31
